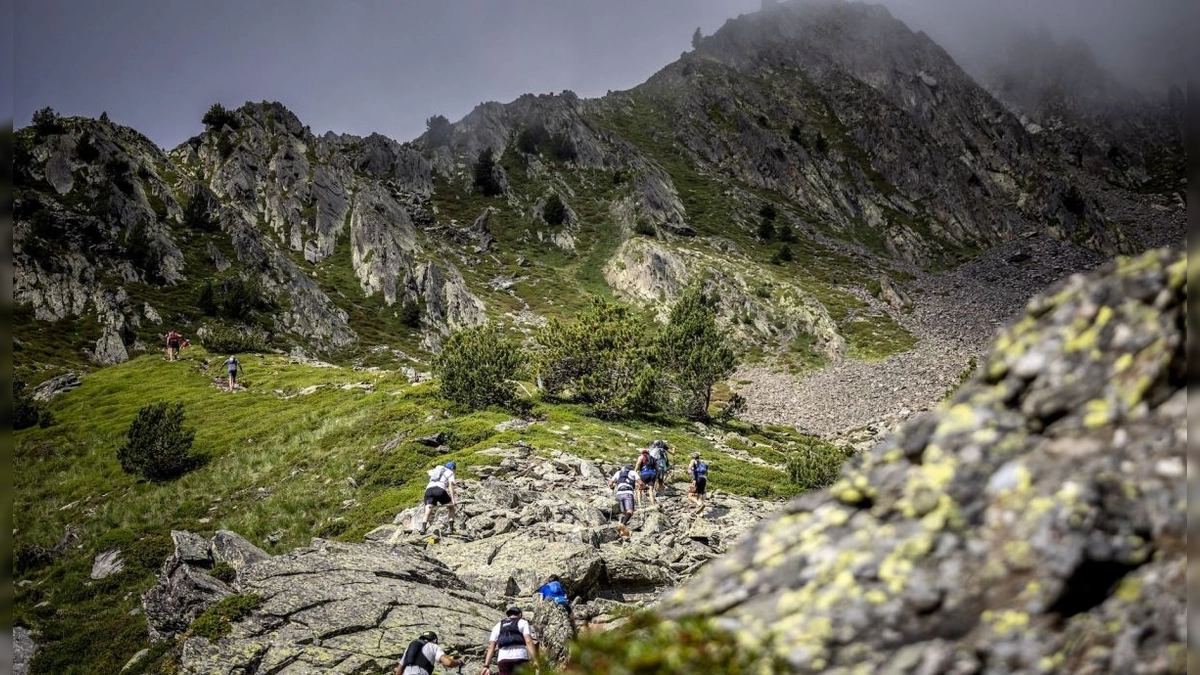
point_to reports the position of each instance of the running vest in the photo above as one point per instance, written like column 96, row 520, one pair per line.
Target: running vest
column 415, row 656
column 510, row 633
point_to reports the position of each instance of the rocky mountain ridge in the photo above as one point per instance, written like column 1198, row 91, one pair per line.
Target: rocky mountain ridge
column 875, row 150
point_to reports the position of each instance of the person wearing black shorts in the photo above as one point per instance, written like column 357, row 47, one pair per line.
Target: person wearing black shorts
column 439, row 492
column 698, row 470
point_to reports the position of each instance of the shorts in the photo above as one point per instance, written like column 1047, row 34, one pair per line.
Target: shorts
column 436, row 495
column 510, row 667
column 648, row 478
column 173, row 345
column 625, row 500
column 701, row 481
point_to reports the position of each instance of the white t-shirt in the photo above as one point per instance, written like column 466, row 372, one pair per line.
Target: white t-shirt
column 433, row 652
column 516, row 653
column 440, row 477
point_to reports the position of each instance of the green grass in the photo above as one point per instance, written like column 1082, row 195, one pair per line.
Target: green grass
column 281, row 458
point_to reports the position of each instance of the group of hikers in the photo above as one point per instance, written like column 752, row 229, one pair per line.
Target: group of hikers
column 635, row 483
column 175, row 344
column 510, row 646
column 632, row 485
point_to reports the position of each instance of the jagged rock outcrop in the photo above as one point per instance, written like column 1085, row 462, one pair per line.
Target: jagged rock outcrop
column 337, row 607
column 349, row 606
column 1036, row 524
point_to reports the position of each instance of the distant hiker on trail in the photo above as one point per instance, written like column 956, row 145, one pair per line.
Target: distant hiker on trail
column 624, row 483
column 511, row 642
column 175, row 342
column 647, row 474
column 440, row 491
column 658, row 452
column 233, row 367
column 698, row 470
column 554, row 591
column 423, row 654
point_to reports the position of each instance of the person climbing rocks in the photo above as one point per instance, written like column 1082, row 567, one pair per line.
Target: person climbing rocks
column 511, row 642
column 174, row 344
column 554, row 591
column 658, row 452
column 624, row 482
column 233, row 367
column 646, row 473
column 440, row 491
column 698, row 470
column 423, row 654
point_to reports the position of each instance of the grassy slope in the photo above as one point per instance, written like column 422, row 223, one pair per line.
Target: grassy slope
column 278, row 468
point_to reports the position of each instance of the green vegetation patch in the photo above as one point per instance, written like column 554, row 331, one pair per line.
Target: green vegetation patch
column 217, row 621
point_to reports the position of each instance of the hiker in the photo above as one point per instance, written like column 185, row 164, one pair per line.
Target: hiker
column 440, row 491
column 174, row 344
column 698, row 470
column 514, row 641
column 233, row 366
column 658, row 452
column 624, row 481
column 554, row 591
column 646, row 473
column 423, row 654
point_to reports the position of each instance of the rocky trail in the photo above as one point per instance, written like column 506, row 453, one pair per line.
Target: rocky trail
column 955, row 316
column 353, row 607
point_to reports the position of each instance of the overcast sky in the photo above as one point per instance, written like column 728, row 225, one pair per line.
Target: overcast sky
column 386, row 65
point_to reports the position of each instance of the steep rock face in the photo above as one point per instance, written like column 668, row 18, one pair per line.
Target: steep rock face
column 1036, row 524
column 334, row 607
column 754, row 306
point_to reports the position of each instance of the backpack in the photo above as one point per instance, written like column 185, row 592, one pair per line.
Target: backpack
column 647, row 474
column 437, row 473
column 623, row 479
column 510, row 633
column 656, row 452
column 415, row 656
column 701, row 469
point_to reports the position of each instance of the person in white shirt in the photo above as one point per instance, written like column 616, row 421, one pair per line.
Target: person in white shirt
column 511, row 642
column 440, row 490
column 423, row 654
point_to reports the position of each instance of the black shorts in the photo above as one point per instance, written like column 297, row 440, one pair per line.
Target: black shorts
column 173, row 345
column 436, row 495
column 701, row 481
column 511, row 667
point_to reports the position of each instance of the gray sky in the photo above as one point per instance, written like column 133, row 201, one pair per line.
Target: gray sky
column 359, row 66
column 349, row 66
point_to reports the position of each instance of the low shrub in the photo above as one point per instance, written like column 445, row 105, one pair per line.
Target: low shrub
column 818, row 465
column 477, row 368
column 224, row 340
column 158, row 446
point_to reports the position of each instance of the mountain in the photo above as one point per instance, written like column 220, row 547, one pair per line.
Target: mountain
column 863, row 141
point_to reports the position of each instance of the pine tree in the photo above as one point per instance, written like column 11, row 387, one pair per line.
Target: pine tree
column 477, row 366
column 485, row 174
column 697, row 37
column 693, row 353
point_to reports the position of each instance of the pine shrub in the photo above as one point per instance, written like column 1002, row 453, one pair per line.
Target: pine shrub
column 554, row 212
column 818, row 465
column 485, row 174
column 693, row 354
column 477, row 366
column 158, row 446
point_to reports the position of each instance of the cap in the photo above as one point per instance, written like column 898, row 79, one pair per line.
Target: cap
column 629, row 467
column 695, row 455
column 451, row 465
column 428, row 636
column 513, row 611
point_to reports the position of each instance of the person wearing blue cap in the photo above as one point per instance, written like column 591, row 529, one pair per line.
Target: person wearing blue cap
column 440, row 491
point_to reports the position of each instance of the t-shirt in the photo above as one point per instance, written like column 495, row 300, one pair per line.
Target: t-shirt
column 433, row 652
column 517, row 653
column 440, row 477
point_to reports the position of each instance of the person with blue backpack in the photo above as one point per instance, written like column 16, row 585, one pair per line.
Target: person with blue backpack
column 647, row 473
column 698, row 470
column 554, row 591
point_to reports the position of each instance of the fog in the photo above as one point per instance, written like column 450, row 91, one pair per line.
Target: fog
column 1145, row 44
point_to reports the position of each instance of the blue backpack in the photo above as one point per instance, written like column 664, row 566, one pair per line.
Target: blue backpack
column 701, row 469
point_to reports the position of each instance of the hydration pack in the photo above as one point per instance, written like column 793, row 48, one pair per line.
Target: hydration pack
column 510, row 633
column 701, row 469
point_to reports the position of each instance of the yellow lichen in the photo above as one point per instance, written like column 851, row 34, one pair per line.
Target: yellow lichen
column 1129, row 590
column 1008, row 621
column 1099, row 413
